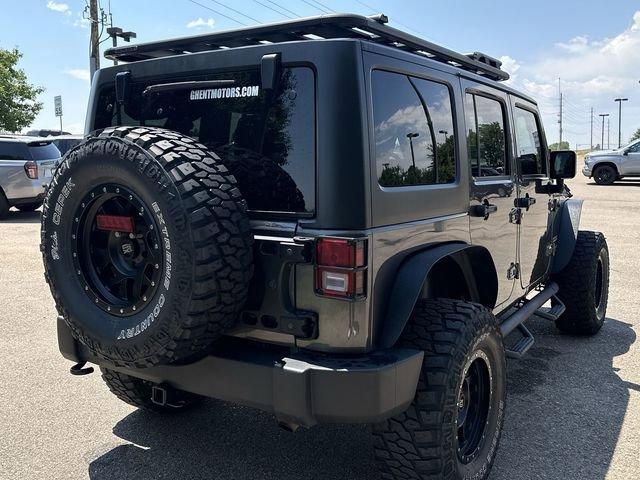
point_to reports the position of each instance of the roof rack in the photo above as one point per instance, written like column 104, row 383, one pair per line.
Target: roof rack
column 373, row 29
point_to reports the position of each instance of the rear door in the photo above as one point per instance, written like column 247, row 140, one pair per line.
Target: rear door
column 492, row 183
column 532, row 161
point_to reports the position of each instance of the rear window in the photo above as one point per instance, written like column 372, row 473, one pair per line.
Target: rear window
column 46, row 151
column 266, row 139
column 13, row 151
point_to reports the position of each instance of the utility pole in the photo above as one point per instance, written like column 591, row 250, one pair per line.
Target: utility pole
column 608, row 134
column 620, row 100
column 94, row 56
column 560, row 116
column 603, row 115
column 591, row 128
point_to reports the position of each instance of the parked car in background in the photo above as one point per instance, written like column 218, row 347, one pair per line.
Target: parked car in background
column 608, row 166
column 46, row 132
column 66, row 142
column 26, row 167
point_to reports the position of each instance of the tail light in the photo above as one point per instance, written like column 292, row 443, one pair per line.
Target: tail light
column 31, row 169
column 341, row 267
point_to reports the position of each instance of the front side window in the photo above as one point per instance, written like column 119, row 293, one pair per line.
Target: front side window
column 528, row 140
column 266, row 139
column 486, row 138
column 413, row 128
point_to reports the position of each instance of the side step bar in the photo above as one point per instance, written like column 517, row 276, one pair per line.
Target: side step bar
column 528, row 309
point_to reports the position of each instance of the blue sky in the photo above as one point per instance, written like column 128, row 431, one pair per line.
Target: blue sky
column 594, row 46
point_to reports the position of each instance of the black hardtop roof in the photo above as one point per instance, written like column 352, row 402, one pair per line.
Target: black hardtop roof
column 373, row 29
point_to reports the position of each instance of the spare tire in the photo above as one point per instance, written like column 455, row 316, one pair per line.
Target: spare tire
column 147, row 246
column 267, row 185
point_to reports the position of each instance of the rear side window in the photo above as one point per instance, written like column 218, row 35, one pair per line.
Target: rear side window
column 13, row 151
column 266, row 139
column 413, row 127
column 47, row 151
column 486, row 139
column 528, row 141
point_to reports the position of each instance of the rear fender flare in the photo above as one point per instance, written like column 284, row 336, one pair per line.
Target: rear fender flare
column 476, row 266
column 568, row 222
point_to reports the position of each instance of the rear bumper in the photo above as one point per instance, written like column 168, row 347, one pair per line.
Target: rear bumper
column 300, row 388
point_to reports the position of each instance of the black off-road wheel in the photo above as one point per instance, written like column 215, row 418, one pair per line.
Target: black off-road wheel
column 605, row 175
column 453, row 427
column 584, row 286
column 138, row 392
column 146, row 245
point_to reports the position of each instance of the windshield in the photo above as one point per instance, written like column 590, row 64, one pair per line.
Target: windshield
column 266, row 139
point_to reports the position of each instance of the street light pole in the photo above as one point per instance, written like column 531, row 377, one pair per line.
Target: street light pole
column 620, row 100
column 411, row 136
column 603, row 115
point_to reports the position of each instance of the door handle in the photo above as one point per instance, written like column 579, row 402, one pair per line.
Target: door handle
column 483, row 210
column 524, row 202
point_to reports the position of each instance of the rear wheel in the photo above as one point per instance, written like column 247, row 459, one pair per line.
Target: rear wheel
column 605, row 175
column 138, row 392
column 452, row 428
column 584, row 286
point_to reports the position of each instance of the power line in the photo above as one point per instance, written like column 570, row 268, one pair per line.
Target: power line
column 324, row 6
column 316, row 7
column 273, row 9
column 236, row 11
column 283, row 8
column 219, row 13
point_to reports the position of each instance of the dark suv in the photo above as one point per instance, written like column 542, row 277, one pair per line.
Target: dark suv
column 327, row 219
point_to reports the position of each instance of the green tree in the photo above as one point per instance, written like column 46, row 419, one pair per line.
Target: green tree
column 636, row 135
column 563, row 146
column 18, row 105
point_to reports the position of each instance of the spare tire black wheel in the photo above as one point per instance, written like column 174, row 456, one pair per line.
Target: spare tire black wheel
column 146, row 245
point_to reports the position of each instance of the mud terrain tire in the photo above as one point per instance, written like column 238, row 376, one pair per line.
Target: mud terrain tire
column 203, row 257
column 425, row 442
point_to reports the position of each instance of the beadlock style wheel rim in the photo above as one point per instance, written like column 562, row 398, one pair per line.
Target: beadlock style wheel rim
column 116, row 248
column 474, row 407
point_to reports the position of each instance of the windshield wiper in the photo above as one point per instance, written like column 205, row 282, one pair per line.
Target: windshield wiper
column 167, row 87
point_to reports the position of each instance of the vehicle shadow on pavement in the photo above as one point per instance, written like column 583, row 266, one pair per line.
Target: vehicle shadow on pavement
column 565, row 408
column 21, row 217
column 619, row 183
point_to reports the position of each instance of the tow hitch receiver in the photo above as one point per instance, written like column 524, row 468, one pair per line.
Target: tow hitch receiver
column 160, row 396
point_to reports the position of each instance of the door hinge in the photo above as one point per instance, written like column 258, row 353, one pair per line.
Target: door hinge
column 513, row 272
column 553, row 205
column 515, row 216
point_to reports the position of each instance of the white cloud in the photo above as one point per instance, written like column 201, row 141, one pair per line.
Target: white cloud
column 79, row 73
column 59, row 7
column 593, row 72
column 201, row 23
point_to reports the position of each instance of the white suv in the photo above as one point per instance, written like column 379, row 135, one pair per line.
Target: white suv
column 611, row 165
column 26, row 167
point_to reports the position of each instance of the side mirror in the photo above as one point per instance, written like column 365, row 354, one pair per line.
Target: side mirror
column 563, row 164
column 625, row 153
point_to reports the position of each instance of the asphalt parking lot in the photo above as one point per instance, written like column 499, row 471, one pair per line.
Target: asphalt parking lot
column 573, row 404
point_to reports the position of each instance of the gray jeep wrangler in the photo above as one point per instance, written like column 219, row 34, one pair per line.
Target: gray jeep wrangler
column 327, row 219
